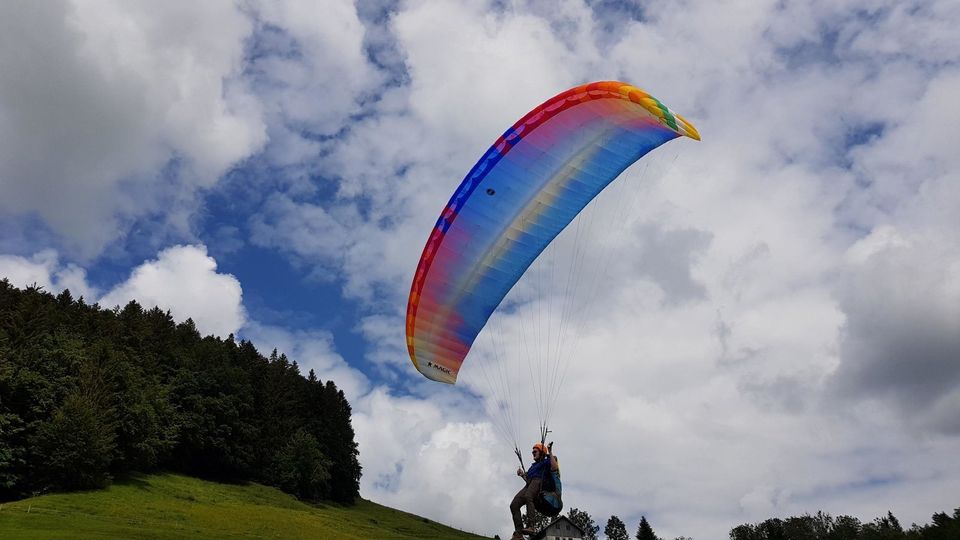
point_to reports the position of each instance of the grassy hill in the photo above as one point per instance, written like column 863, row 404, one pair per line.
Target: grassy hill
column 174, row 506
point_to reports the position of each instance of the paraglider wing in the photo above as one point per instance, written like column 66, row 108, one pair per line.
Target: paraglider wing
column 525, row 189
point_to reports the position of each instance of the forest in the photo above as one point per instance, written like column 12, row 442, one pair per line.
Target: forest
column 88, row 393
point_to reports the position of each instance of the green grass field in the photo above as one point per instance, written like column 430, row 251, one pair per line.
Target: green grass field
column 174, row 506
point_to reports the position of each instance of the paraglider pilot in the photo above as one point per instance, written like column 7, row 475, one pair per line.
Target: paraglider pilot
column 542, row 461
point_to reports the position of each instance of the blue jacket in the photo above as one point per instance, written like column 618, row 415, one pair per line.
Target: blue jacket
column 539, row 469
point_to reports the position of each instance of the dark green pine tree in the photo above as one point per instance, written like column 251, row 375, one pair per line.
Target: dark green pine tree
column 301, row 468
column 883, row 528
column 616, row 529
column 645, row 531
column 75, row 447
column 583, row 520
column 534, row 520
column 803, row 527
column 944, row 527
column 340, row 446
column 744, row 531
column 771, row 529
column 845, row 528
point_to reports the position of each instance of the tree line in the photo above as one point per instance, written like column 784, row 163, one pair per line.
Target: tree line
column 821, row 526
column 88, row 393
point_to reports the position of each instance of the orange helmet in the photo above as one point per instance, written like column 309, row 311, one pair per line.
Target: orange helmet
column 541, row 448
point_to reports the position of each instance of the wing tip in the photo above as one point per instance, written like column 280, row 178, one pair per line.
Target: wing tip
column 437, row 373
column 687, row 128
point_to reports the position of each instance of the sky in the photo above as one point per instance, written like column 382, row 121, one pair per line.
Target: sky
column 777, row 329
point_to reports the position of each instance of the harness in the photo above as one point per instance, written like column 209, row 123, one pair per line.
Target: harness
column 548, row 502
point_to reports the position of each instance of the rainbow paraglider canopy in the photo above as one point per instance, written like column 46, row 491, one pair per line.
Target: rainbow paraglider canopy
column 519, row 196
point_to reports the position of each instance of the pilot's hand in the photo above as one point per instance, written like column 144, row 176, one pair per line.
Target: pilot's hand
column 520, row 471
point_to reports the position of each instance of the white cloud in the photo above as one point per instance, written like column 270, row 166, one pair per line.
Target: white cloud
column 311, row 74
column 437, row 467
column 44, row 269
column 100, row 96
column 902, row 337
column 185, row 281
column 320, row 85
column 478, row 69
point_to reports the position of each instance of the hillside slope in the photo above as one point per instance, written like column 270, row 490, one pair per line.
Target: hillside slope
column 174, row 506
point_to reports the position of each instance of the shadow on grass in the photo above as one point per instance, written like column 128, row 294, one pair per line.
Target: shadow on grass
column 134, row 479
column 141, row 479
